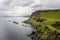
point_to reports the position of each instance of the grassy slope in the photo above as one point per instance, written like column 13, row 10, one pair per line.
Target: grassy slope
column 51, row 18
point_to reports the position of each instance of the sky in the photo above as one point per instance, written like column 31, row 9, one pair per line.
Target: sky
column 25, row 7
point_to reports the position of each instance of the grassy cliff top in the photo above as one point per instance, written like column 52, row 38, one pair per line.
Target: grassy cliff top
column 47, row 23
column 51, row 17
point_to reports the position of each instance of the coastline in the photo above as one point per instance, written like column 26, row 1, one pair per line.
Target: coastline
column 43, row 32
column 37, row 35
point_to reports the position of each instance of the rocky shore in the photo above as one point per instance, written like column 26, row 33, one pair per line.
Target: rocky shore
column 40, row 35
column 43, row 32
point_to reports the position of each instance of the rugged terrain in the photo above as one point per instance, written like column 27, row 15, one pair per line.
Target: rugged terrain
column 47, row 23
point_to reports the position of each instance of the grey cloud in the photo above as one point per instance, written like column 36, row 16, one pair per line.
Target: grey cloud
column 4, row 5
column 46, row 4
column 51, row 3
column 12, row 3
column 31, row 3
column 26, row 3
column 35, row 4
column 21, row 2
column 7, row 2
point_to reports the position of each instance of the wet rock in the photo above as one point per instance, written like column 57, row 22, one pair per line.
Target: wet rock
column 15, row 22
column 33, row 33
column 25, row 25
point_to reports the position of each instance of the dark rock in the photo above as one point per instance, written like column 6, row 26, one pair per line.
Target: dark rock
column 56, row 24
column 46, row 28
column 15, row 22
column 32, row 33
column 41, row 20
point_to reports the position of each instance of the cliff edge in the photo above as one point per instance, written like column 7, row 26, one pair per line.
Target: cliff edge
column 47, row 24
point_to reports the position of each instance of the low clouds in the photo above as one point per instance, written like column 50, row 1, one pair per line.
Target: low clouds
column 30, row 3
column 6, row 4
column 21, row 11
column 50, row 4
column 27, row 5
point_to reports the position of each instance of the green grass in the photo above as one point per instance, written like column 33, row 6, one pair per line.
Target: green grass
column 51, row 18
column 51, row 15
column 33, row 21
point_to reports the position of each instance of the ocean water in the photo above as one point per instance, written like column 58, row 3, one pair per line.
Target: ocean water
column 13, row 31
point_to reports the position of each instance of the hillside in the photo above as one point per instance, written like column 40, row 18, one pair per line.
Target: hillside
column 47, row 23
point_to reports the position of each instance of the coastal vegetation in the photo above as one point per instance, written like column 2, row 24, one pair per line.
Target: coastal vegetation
column 47, row 23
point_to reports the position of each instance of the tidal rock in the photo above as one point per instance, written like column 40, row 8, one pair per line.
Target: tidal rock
column 15, row 22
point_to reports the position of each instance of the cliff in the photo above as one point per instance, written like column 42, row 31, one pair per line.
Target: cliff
column 47, row 23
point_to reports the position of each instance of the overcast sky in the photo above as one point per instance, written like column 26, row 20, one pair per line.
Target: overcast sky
column 24, row 7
